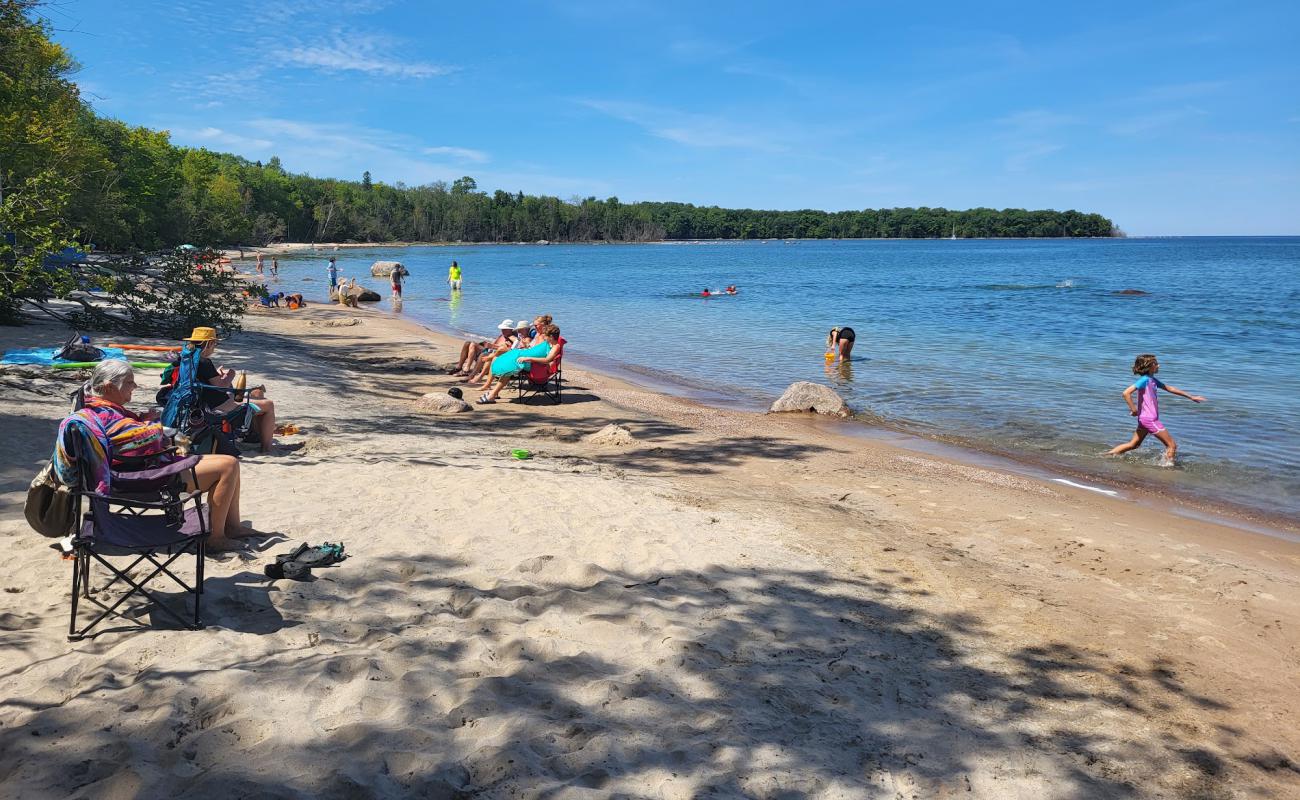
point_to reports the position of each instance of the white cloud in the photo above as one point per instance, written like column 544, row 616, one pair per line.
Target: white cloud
column 216, row 138
column 692, row 130
column 1150, row 122
column 332, row 60
column 458, row 153
column 1023, row 159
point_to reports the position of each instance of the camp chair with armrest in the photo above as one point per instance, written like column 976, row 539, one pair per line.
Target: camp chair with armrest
column 184, row 411
column 542, row 380
column 147, row 516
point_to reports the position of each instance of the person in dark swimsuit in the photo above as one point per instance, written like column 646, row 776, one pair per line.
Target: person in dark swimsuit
column 842, row 338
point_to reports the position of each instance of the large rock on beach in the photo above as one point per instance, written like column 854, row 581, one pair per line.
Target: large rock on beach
column 367, row 296
column 442, row 403
column 807, row 396
column 382, row 269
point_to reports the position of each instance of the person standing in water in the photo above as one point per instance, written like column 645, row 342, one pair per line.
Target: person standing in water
column 259, row 264
column 334, row 276
column 453, row 277
column 397, row 281
column 841, row 339
column 275, row 266
column 1147, row 408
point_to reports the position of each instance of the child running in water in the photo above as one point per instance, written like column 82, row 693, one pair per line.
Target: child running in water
column 1147, row 408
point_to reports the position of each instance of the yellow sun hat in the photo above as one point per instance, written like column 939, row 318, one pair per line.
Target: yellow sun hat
column 202, row 335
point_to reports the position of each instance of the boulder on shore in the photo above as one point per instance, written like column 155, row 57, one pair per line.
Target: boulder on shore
column 367, row 296
column 442, row 403
column 382, row 269
column 807, row 396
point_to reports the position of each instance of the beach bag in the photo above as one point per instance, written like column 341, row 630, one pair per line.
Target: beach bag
column 51, row 508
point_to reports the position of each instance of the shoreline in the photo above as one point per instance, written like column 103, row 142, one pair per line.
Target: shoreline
column 897, row 434
column 694, row 598
column 300, row 247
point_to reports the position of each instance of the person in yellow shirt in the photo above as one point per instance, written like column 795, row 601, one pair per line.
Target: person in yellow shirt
column 453, row 277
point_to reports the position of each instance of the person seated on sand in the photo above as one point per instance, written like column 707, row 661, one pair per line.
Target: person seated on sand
column 473, row 349
column 347, row 292
column 520, row 337
column 509, row 365
column 108, row 391
column 294, row 301
column 223, row 402
column 524, row 337
column 539, row 325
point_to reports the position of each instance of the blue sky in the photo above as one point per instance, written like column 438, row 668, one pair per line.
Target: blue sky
column 1171, row 118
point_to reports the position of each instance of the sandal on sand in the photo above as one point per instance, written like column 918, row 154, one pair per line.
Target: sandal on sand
column 484, row 400
column 298, row 563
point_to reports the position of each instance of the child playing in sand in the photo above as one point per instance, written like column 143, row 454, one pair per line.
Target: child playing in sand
column 1147, row 408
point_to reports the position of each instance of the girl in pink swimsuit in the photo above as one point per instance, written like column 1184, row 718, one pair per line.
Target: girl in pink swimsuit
column 1147, row 407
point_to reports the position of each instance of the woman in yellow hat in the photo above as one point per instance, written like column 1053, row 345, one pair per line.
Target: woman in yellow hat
column 223, row 402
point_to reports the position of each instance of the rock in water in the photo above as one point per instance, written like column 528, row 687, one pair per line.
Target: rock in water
column 367, row 296
column 612, row 434
column 441, row 403
column 1132, row 292
column 382, row 269
column 807, row 396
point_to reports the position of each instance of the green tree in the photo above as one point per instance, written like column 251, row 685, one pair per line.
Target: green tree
column 40, row 152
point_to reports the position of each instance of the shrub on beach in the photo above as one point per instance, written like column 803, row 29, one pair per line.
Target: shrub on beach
column 164, row 295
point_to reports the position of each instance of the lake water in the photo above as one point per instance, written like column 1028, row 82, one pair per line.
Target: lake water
column 1016, row 346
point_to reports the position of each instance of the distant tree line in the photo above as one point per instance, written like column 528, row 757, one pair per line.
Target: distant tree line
column 71, row 177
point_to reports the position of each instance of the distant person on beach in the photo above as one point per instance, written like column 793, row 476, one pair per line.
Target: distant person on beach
column 1147, row 408
column 841, row 339
column 259, row 264
column 275, row 266
column 334, row 276
column 454, row 277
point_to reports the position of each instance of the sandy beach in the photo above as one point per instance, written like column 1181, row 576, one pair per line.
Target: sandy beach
column 706, row 603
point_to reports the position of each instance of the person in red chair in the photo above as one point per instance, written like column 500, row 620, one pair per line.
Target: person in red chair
column 506, row 367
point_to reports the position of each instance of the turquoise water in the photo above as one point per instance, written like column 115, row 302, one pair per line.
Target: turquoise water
column 1018, row 346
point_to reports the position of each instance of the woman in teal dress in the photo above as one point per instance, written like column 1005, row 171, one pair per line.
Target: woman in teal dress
column 509, row 364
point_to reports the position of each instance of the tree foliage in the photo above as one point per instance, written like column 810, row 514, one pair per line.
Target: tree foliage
column 165, row 295
column 40, row 156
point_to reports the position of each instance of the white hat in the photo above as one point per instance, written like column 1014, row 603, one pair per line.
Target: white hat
column 506, row 325
column 522, row 324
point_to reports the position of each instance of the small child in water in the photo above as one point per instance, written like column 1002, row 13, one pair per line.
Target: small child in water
column 1147, row 408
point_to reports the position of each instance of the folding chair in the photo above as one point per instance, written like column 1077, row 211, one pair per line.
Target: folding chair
column 144, row 517
column 183, row 410
column 542, row 380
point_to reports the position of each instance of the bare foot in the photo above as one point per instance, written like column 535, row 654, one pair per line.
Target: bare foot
column 221, row 544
